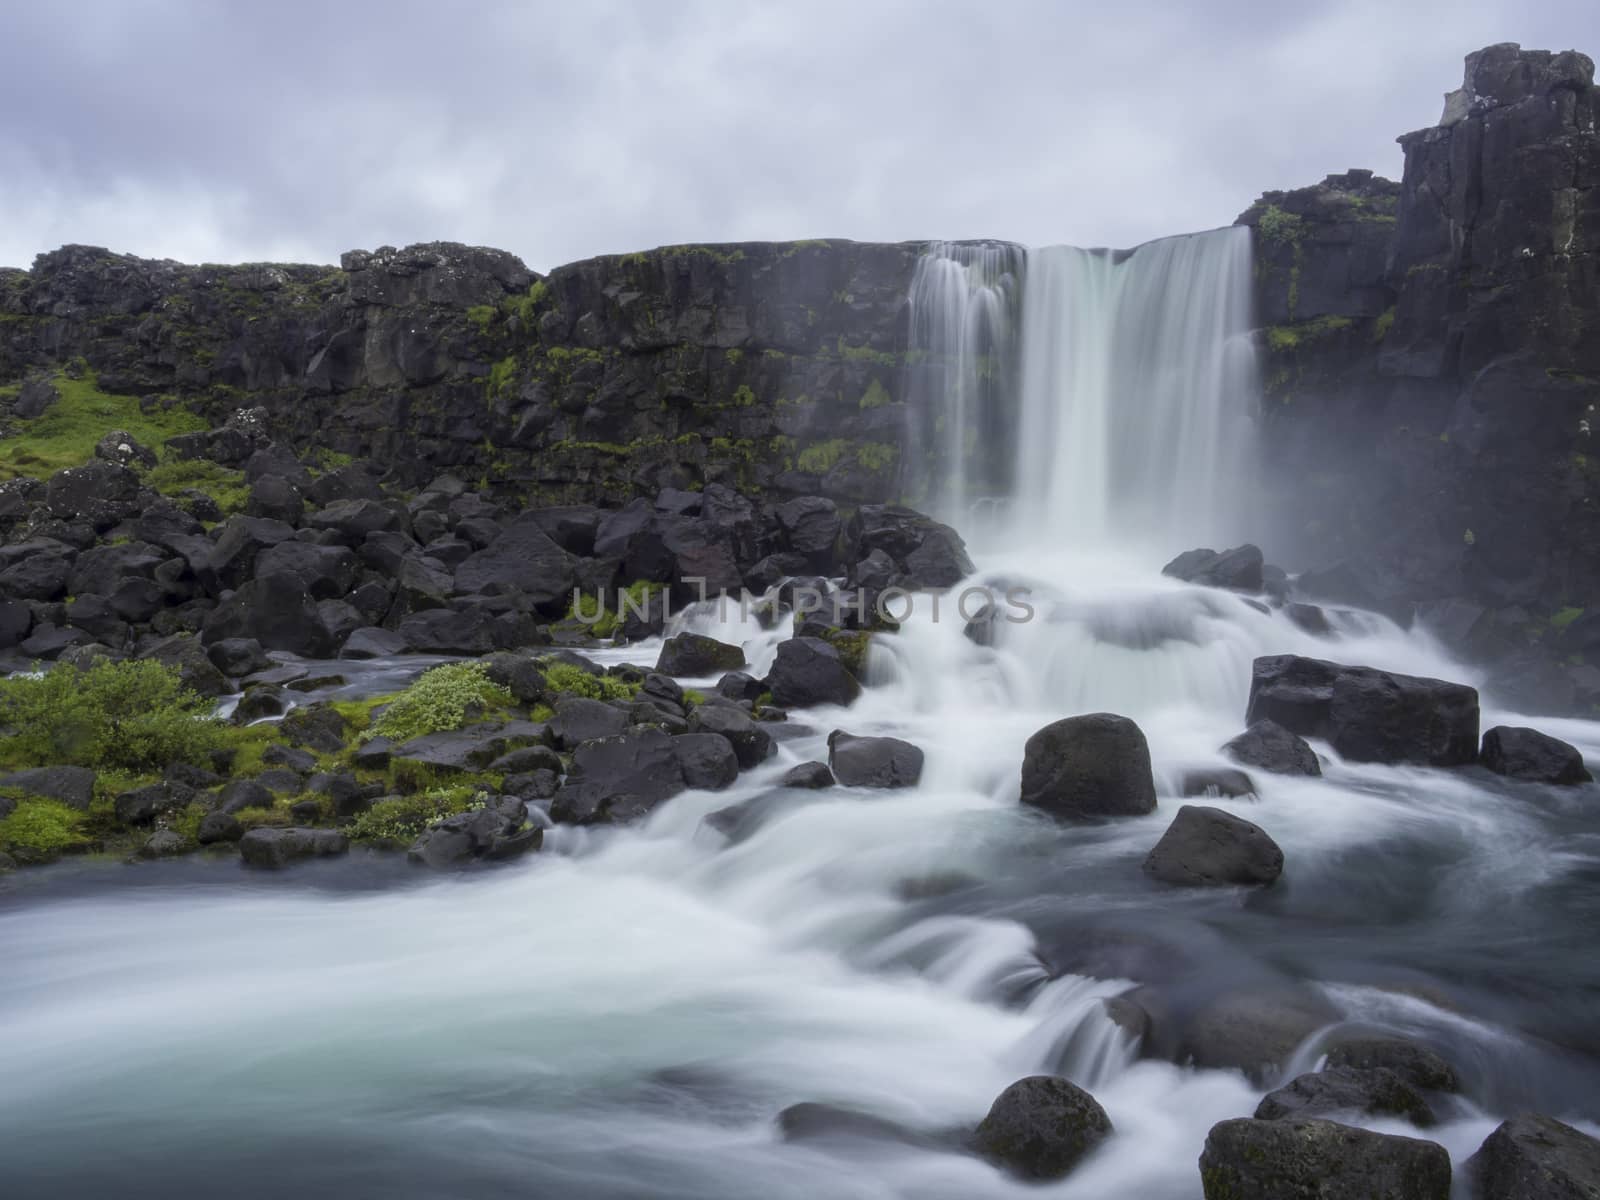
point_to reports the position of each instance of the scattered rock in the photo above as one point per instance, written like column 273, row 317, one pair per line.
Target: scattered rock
column 466, row 837
column 1206, row 847
column 1270, row 746
column 620, row 778
column 218, row 827
column 1041, row 1127
column 1416, row 1064
column 808, row 775
column 1089, row 767
column 279, row 847
column 72, row 786
column 1308, row 1159
column 1239, row 568
column 751, row 743
column 1216, row 781
column 163, row 843
column 1368, row 715
column 1373, row 1091
column 1521, row 753
column 708, row 760
column 1536, row 1158
column 695, row 654
column 809, row 671
column 875, row 762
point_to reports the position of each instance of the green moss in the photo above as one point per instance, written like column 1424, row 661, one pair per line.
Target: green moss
column 1275, row 225
column 38, row 830
column 876, row 395
column 572, row 680
column 743, row 397
column 501, row 375
column 822, row 457
column 227, row 487
column 1564, row 618
column 1288, row 337
column 481, row 316
column 877, row 456
column 733, row 356
column 1385, row 322
column 441, row 699
column 127, row 715
column 66, row 433
column 635, row 596
column 865, row 354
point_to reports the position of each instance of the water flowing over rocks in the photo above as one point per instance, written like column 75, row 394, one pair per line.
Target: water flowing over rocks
column 1088, row 767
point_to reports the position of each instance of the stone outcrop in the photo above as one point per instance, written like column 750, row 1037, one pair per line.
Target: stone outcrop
column 1432, row 362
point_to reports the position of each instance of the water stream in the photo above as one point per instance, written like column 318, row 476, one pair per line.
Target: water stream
column 624, row 1014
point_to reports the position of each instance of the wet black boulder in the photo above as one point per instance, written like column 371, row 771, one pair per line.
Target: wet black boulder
column 1521, row 753
column 1271, row 747
column 1206, row 847
column 1536, row 1158
column 1041, row 1127
column 1308, row 1159
column 1089, row 767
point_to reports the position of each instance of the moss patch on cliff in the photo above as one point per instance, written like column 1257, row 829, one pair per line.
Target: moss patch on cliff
column 64, row 435
column 225, row 485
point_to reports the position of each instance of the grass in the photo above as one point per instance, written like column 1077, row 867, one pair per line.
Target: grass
column 441, row 699
column 575, row 681
column 66, row 433
column 402, row 818
column 224, row 485
column 633, row 599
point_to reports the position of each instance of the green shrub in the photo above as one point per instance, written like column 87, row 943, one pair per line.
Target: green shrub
column 121, row 716
column 441, row 699
column 38, row 829
column 402, row 818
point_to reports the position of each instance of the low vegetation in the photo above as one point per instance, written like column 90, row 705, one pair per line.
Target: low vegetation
column 64, row 435
column 441, row 699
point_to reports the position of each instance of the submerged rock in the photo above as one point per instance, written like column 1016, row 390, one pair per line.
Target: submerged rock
column 1206, row 847
column 1372, row 1091
column 1041, row 1127
column 1239, row 568
column 1270, row 746
column 811, row 775
column 1416, row 1064
column 1521, row 753
column 1084, row 768
column 1307, row 1159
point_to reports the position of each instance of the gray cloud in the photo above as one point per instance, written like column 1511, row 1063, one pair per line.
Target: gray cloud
column 295, row 130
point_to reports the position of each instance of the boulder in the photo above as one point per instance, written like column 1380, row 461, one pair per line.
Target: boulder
column 811, row 527
column 237, row 657
column 163, row 843
column 1416, row 1064
column 218, row 827
column 279, row 847
column 1256, row 1029
column 875, row 762
column 242, row 794
column 1271, row 747
column 72, row 786
column 1041, row 1127
column 317, row 727
column 466, row 837
column 277, row 611
column 1308, row 1159
column 1089, row 767
column 809, row 671
column 101, row 493
column 184, row 653
column 328, row 572
column 1206, row 847
column 369, row 641
column 1535, row 1158
column 1372, row 1092
column 522, row 559
column 615, row 779
column 1239, row 568
column 470, row 749
column 1521, row 753
column 811, row 776
column 812, row 1122
column 752, row 744
column 707, row 759
column 578, row 720
column 352, row 520
column 1368, row 715
column 697, row 655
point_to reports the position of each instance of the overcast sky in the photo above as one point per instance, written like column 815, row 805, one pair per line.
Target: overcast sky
column 213, row 131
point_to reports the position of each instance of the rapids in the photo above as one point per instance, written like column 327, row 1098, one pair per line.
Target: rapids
column 624, row 1014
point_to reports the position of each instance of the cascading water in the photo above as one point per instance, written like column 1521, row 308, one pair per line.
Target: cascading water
column 624, row 1015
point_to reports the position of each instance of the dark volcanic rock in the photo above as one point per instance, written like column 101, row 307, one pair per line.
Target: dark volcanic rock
column 1270, row 746
column 1374, row 1091
column 1536, row 1158
column 1368, row 715
column 72, row 786
column 617, row 779
column 1528, row 754
column 875, row 762
column 1083, row 768
column 808, row 775
column 1216, row 781
column 1209, row 847
column 750, row 741
column 522, row 559
column 1239, row 569
column 1306, row 1159
column 1416, row 1064
column 707, row 759
column 279, row 847
column 809, row 671
column 696, row 654
column 1041, row 1127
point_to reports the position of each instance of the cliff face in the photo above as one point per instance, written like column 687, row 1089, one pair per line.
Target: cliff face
column 770, row 367
column 1432, row 355
column 1432, row 368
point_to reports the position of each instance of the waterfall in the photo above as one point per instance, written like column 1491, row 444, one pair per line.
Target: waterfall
column 964, row 297
column 1129, row 414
